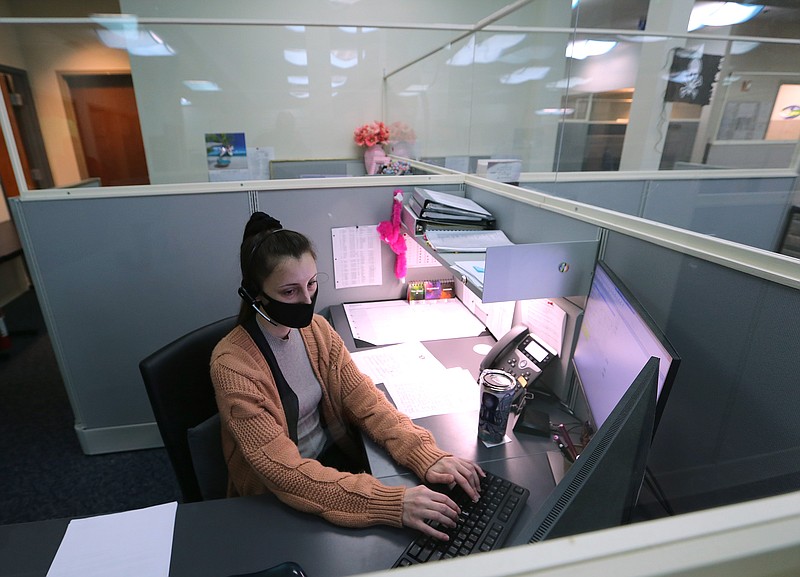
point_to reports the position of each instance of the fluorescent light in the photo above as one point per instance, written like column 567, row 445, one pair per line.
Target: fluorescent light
column 555, row 111
column 486, row 51
column 585, row 48
column 742, row 47
column 357, row 29
column 465, row 55
column 297, row 57
column 567, row 82
column 201, row 85
column 490, row 49
column 721, row 14
column 344, row 58
column 298, row 80
column 525, row 75
column 338, row 81
column 296, row 28
column 123, row 32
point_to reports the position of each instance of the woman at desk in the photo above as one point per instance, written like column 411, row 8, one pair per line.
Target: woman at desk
column 292, row 401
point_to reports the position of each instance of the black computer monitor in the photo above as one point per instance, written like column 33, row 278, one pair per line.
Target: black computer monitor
column 601, row 488
column 617, row 337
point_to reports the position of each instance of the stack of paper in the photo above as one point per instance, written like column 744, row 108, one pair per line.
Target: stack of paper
column 465, row 240
column 419, row 384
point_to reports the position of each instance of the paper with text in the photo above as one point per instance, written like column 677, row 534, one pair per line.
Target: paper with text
column 449, row 391
column 356, row 256
column 546, row 320
column 392, row 322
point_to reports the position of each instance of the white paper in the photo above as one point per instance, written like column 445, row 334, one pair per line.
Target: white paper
column 258, row 159
column 356, row 256
column 465, row 240
column 133, row 543
column 498, row 317
column 546, row 320
column 416, row 256
column 441, row 393
column 386, row 363
column 391, row 322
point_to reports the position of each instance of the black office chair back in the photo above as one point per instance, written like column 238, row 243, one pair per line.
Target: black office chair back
column 178, row 382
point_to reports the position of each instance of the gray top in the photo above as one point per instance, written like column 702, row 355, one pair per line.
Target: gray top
column 296, row 368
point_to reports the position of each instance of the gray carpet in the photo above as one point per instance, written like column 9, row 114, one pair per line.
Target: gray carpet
column 43, row 472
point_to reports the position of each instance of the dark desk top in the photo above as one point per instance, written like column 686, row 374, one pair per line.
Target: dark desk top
column 244, row 535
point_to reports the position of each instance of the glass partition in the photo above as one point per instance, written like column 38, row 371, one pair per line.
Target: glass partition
column 151, row 94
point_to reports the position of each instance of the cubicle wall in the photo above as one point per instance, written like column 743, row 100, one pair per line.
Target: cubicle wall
column 118, row 277
column 728, row 431
column 750, row 211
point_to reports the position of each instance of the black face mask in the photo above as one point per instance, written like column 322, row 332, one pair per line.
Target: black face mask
column 294, row 315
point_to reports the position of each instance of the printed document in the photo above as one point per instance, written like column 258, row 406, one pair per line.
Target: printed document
column 418, row 383
column 392, row 322
column 465, row 240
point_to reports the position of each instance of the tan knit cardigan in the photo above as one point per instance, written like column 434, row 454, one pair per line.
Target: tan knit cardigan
column 261, row 456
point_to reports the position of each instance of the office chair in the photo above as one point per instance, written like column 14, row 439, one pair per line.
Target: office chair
column 179, row 386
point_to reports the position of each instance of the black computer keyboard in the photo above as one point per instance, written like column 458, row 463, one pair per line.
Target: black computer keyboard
column 482, row 526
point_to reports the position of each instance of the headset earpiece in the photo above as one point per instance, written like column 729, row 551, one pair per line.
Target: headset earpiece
column 246, row 297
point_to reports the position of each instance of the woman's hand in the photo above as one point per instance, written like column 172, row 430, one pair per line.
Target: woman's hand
column 456, row 471
column 421, row 504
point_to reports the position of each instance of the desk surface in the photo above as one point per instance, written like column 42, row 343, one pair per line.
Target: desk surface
column 244, row 535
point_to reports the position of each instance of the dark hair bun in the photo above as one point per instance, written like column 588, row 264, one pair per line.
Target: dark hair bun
column 260, row 222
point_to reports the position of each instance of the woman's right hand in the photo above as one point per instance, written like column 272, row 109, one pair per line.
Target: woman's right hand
column 422, row 504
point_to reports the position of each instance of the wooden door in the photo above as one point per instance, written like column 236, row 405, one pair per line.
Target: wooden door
column 108, row 126
column 12, row 100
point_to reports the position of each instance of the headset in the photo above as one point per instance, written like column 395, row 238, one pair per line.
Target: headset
column 246, row 297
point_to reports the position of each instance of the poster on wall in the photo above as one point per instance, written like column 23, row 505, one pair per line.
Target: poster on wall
column 691, row 77
column 226, row 155
column 784, row 122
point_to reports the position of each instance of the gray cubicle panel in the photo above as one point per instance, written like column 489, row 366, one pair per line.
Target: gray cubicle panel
column 326, row 168
column 626, row 196
column 525, row 223
column 117, row 279
column 746, row 210
column 729, row 430
column 750, row 211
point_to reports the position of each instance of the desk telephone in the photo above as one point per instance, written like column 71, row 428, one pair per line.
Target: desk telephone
column 524, row 357
column 520, row 354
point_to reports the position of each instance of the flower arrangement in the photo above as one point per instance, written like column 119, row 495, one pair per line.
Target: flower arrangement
column 371, row 134
column 401, row 132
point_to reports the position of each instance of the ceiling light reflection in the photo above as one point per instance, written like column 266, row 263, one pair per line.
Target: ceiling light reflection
column 525, row 75
column 296, row 57
column 344, row 58
column 721, row 14
column 583, row 49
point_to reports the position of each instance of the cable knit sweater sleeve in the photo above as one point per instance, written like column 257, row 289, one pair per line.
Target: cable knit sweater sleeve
column 260, row 455
column 354, row 393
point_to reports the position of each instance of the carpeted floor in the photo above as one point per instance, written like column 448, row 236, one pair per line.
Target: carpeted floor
column 43, row 472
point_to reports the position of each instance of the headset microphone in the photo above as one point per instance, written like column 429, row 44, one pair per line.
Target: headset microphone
column 254, row 303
